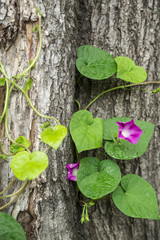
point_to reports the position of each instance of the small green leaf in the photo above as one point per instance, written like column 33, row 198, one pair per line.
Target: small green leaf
column 2, row 82
column 2, row 156
column 28, row 85
column 95, row 63
column 21, row 140
column 136, row 198
column 157, row 90
column 96, row 179
column 27, row 165
column 87, row 133
column 128, row 71
column 38, row 11
column 10, row 229
column 30, row 63
column 126, row 150
column 46, row 125
column 54, row 136
column 35, row 29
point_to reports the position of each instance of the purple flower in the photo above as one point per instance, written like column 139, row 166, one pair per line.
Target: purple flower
column 129, row 131
column 72, row 171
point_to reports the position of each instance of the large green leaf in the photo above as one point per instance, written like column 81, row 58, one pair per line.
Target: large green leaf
column 96, row 179
column 54, row 136
column 126, row 150
column 16, row 148
column 10, row 229
column 95, row 63
column 87, row 133
column 27, row 165
column 136, row 198
column 129, row 71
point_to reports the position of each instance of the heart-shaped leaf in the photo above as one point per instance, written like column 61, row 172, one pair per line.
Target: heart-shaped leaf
column 95, row 63
column 128, row 71
column 27, row 165
column 10, row 229
column 16, row 148
column 96, row 179
column 87, row 133
column 136, row 198
column 54, row 136
column 126, row 150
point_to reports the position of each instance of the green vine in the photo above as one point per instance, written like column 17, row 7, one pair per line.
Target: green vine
column 125, row 139
column 20, row 152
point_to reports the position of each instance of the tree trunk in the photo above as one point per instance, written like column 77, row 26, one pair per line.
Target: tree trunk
column 47, row 209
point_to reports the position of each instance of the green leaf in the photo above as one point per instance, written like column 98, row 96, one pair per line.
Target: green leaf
column 128, row 71
column 126, row 150
column 35, row 29
column 54, row 136
column 27, row 165
column 2, row 82
column 10, row 229
column 30, row 63
column 136, row 198
column 28, row 85
column 21, row 140
column 46, row 125
column 3, row 156
column 95, row 63
column 157, row 90
column 87, row 133
column 96, row 179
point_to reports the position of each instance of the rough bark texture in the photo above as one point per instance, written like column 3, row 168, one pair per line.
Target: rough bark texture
column 47, row 209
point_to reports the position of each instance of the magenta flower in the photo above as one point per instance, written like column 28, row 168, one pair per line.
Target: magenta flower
column 129, row 131
column 72, row 171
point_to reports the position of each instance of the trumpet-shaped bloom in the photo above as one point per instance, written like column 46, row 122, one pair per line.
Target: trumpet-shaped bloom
column 129, row 131
column 72, row 171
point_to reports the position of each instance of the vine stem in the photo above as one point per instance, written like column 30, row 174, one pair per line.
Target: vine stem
column 79, row 105
column 46, row 150
column 8, row 186
column 7, row 154
column 6, row 125
column 17, row 193
column 5, row 110
column 31, row 105
column 13, row 194
column 120, row 87
column 23, row 73
column 6, row 100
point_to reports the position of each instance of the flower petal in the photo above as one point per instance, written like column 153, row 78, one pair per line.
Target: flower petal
column 72, row 171
column 129, row 131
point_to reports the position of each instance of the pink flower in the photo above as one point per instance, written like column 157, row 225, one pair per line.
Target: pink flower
column 129, row 131
column 72, row 171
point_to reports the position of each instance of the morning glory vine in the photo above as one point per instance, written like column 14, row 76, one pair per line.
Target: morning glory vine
column 27, row 165
column 124, row 138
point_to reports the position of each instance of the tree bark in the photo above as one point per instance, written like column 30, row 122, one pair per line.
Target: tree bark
column 48, row 209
